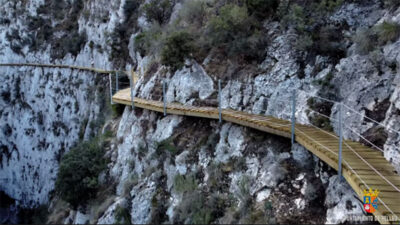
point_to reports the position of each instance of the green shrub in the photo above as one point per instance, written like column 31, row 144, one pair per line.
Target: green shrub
column 178, row 46
column 130, row 7
column 388, row 32
column 193, row 14
column 75, row 42
column 262, row 8
column 72, row 43
column 202, row 216
column 231, row 21
column 167, row 145
column 196, row 208
column 77, row 179
column 295, row 17
column 141, row 43
column 184, row 183
column 244, row 191
column 82, row 129
column 391, row 3
column 324, row 108
column 214, row 171
column 122, row 215
column 365, row 40
column 321, row 122
column 158, row 11
column 327, row 41
column 325, row 6
column 304, row 42
column 237, row 33
column 326, row 82
column 149, row 41
column 37, row 215
column 238, row 163
column 117, row 110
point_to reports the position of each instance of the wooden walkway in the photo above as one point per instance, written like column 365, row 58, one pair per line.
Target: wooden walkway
column 363, row 167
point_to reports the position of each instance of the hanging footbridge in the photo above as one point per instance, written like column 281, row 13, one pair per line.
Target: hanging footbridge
column 364, row 167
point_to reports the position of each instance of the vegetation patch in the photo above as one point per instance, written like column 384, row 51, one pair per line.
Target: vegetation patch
column 388, row 32
column 323, row 108
column 368, row 39
column 118, row 40
column 365, row 40
column 117, row 110
column 195, row 208
column 392, row 4
column 159, row 206
column 178, row 46
column 158, row 11
column 262, row 8
column 215, row 176
column 37, row 215
column 122, row 215
column 167, row 145
column 375, row 135
column 77, row 179
column 60, row 17
column 233, row 29
column 314, row 36
column 184, row 183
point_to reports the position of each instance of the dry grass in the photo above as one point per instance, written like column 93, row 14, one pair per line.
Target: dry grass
column 98, row 208
column 59, row 212
column 104, row 198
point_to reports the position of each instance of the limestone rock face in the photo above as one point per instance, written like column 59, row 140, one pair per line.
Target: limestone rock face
column 43, row 113
column 109, row 215
column 341, row 201
column 189, row 83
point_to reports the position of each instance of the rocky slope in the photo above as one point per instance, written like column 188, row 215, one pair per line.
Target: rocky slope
column 179, row 169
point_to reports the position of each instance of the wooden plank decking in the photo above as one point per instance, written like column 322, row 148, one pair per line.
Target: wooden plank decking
column 363, row 167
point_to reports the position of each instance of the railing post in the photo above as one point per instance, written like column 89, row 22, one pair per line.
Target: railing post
column 111, row 94
column 340, row 140
column 219, row 101
column 116, row 81
column 164, row 99
column 132, row 96
column 293, row 115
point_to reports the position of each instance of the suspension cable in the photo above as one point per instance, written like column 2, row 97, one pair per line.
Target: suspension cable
column 381, row 124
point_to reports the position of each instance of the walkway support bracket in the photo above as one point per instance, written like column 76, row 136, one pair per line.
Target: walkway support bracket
column 111, row 92
column 132, row 95
column 219, row 101
column 164, row 99
column 293, row 115
column 116, row 81
column 340, row 140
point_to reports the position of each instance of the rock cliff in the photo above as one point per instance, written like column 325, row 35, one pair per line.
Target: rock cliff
column 180, row 169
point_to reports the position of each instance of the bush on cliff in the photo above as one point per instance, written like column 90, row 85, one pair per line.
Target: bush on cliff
column 178, row 46
column 77, row 179
column 158, row 11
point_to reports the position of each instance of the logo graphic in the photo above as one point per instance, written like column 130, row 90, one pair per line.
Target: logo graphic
column 370, row 200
